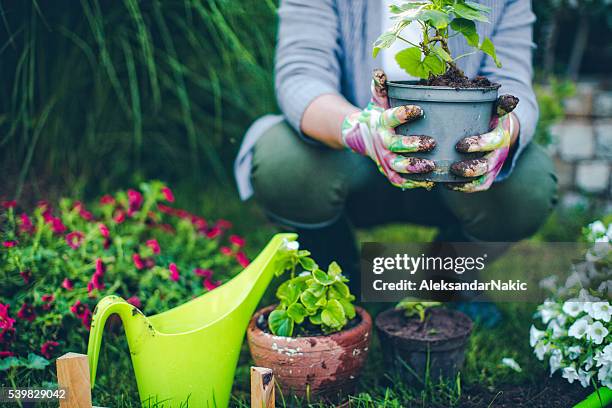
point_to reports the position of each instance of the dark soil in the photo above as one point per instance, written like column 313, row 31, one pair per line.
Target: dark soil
column 306, row 329
column 439, row 324
column 455, row 78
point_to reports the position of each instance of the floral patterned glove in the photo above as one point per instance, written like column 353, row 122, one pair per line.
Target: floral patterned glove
column 497, row 145
column 370, row 132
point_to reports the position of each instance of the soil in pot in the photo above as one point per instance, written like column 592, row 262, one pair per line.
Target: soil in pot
column 415, row 349
column 315, row 366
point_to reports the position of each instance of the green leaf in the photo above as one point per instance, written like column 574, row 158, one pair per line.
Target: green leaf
column 315, row 319
column 36, row 362
column 488, row 48
column 409, row 60
column 436, row 18
column 322, row 277
column 10, row 362
column 478, row 6
column 398, row 9
column 307, row 263
column 349, row 309
column 339, row 290
column 443, row 55
column 317, row 289
column 309, row 300
column 287, row 293
column 468, row 29
column 434, row 65
column 333, row 315
column 465, row 11
column 280, row 323
column 297, row 312
column 334, row 269
column 385, row 40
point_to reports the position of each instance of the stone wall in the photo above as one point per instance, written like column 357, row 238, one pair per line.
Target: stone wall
column 582, row 145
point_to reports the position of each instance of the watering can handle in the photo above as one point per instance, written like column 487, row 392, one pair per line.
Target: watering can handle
column 130, row 316
column 598, row 399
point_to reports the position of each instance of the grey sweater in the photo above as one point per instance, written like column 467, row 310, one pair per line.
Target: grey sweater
column 325, row 47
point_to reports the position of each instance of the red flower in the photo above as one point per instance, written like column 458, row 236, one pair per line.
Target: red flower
column 237, row 240
column 205, row 273
column 224, row 224
column 107, row 243
column 134, row 301
column 57, row 226
column 5, row 320
column 86, row 319
column 75, row 239
column 107, row 200
column 138, row 262
column 242, row 259
column 119, row 216
column 213, row 232
column 48, row 300
column 100, row 268
column 154, row 245
column 48, row 348
column 25, row 224
column 227, row 251
column 9, row 244
column 7, row 335
column 182, row 213
column 104, row 230
column 168, row 195
column 26, row 312
column 199, row 223
column 164, row 209
column 79, row 309
column 26, row 276
column 134, row 201
column 96, row 282
column 210, row 285
column 67, row 284
column 174, row 272
column 86, row 215
column 9, row 204
column 4, row 354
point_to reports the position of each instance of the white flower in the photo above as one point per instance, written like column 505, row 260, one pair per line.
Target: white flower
column 541, row 349
column 601, row 311
column 579, row 328
column 585, row 377
column 511, row 363
column 605, row 375
column 605, row 286
column 550, row 283
column 555, row 361
column 574, row 352
column 291, row 245
column 570, row 374
column 596, row 332
column 588, row 363
column 573, row 307
column 535, row 335
column 605, row 356
column 557, row 329
column 548, row 311
column 597, row 227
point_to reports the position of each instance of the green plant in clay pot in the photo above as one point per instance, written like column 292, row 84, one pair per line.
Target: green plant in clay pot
column 423, row 340
column 314, row 339
column 452, row 107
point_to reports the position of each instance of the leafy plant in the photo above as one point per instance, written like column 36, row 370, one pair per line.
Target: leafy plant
column 313, row 299
column 436, row 18
column 414, row 308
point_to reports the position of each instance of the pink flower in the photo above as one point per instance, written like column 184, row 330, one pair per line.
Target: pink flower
column 107, row 200
column 134, row 301
column 57, row 226
column 154, row 245
column 97, row 279
column 79, row 309
column 224, row 224
column 7, row 335
column 210, row 285
column 138, row 262
column 6, row 353
column 164, row 209
column 237, row 240
column 9, row 204
column 205, row 273
column 182, row 213
column 227, row 251
column 67, row 284
column 134, row 201
column 47, row 300
column 9, row 244
column 199, row 223
column 48, row 348
column 25, row 224
column 86, row 215
column 86, row 319
column 104, row 230
column 75, row 239
column 174, row 272
column 26, row 276
column 242, row 259
column 26, row 312
column 213, row 232
column 119, row 216
column 5, row 320
column 100, row 268
column 168, row 195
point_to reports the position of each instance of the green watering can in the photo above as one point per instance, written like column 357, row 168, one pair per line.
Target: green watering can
column 188, row 355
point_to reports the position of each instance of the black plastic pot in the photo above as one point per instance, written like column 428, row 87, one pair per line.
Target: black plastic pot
column 414, row 358
column 449, row 115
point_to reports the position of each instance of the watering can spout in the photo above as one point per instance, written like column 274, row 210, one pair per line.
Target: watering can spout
column 138, row 329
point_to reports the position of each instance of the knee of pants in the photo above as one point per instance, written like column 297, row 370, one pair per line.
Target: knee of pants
column 294, row 182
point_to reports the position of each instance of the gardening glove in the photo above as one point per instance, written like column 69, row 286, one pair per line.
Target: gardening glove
column 370, row 132
column 495, row 143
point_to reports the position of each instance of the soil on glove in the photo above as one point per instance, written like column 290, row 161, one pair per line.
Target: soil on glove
column 439, row 324
column 455, row 78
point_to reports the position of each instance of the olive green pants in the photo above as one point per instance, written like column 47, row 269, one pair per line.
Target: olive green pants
column 321, row 192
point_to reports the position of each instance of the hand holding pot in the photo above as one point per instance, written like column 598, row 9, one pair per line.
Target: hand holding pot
column 495, row 143
column 370, row 132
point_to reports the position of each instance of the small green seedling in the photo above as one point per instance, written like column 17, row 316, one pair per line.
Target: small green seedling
column 436, row 18
column 414, row 308
column 312, row 298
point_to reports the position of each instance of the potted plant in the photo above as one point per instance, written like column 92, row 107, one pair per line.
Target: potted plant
column 454, row 106
column 315, row 339
column 422, row 340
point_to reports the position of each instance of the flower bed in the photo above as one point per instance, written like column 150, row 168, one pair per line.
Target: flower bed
column 55, row 263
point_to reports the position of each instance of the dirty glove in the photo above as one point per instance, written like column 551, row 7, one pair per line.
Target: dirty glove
column 495, row 143
column 370, row 132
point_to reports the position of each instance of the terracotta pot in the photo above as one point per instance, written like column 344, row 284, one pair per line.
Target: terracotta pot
column 446, row 353
column 317, row 367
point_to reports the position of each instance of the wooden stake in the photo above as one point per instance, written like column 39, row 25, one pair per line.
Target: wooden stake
column 73, row 375
column 262, row 387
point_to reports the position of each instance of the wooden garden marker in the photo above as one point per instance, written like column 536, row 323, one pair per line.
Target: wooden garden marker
column 262, row 387
column 73, row 375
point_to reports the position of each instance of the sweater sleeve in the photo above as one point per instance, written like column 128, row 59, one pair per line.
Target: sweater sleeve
column 306, row 63
column 513, row 41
